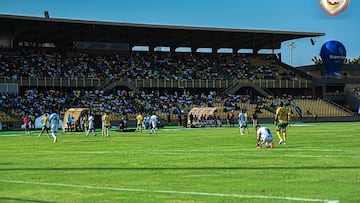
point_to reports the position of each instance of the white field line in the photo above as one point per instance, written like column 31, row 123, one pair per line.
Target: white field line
column 171, row 191
column 215, row 153
column 11, row 135
column 222, row 152
column 219, row 149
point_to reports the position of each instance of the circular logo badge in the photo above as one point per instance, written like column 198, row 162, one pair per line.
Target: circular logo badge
column 334, row 7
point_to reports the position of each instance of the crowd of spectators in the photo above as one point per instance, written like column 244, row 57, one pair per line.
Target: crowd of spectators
column 36, row 63
column 127, row 104
column 116, row 101
column 15, row 63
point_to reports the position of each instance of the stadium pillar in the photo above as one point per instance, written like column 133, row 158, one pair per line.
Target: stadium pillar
column 214, row 50
column 235, row 50
column 324, row 90
column 131, row 46
column 193, row 50
column 172, row 50
column 314, row 91
column 151, row 48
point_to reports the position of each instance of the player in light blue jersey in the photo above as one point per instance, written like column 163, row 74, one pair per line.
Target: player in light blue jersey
column 243, row 122
column 54, row 120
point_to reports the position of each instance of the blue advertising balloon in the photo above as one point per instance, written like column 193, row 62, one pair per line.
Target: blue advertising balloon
column 333, row 54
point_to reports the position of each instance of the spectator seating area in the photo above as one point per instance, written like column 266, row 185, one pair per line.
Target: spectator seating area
column 120, row 103
column 33, row 63
column 15, row 63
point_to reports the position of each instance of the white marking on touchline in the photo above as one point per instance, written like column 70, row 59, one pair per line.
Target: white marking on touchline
column 190, row 152
column 171, row 191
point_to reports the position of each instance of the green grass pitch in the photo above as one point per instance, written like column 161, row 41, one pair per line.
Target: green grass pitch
column 319, row 163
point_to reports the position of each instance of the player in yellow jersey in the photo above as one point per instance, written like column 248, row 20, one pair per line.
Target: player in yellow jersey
column 44, row 123
column 139, row 120
column 106, row 125
column 282, row 118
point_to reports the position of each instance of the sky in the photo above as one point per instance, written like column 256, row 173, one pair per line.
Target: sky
column 281, row 15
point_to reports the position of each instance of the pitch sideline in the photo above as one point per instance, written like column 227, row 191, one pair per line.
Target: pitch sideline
column 171, row 191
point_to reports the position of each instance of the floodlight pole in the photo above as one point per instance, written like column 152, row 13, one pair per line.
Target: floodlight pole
column 291, row 46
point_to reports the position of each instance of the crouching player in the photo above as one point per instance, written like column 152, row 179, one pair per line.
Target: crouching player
column 264, row 136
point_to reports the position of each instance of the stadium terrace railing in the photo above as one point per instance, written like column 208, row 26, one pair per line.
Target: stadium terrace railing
column 158, row 83
column 53, row 82
column 153, row 83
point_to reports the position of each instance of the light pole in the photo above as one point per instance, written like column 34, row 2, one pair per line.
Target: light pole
column 291, row 46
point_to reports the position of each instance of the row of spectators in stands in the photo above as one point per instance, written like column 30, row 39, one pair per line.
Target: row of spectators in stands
column 15, row 63
column 120, row 102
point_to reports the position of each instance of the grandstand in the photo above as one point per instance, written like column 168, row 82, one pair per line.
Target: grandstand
column 56, row 64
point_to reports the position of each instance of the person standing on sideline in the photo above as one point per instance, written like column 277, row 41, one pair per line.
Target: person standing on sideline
column 232, row 119
column 254, row 119
column 54, row 125
column 264, row 135
column 243, row 122
column 27, row 124
column 139, row 121
column 69, row 121
column 82, row 120
column 191, row 118
column 105, row 125
column 32, row 121
column 86, row 123
column 91, row 120
column 146, row 123
column 153, row 123
column 282, row 118
column 44, row 123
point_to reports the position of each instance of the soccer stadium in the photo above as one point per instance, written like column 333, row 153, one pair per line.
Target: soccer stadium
column 77, row 67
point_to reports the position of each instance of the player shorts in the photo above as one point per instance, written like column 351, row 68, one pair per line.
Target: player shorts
column 281, row 126
column 242, row 124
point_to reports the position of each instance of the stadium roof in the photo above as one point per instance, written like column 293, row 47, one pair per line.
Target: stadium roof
column 63, row 32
